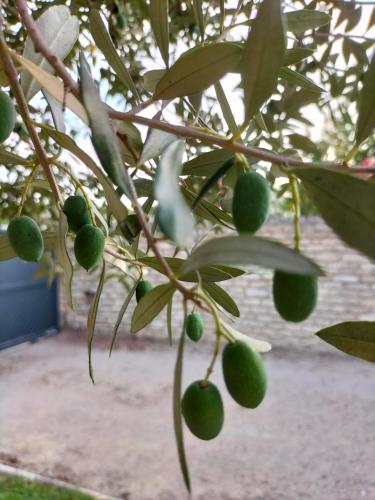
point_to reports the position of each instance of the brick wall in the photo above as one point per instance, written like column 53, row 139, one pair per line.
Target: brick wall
column 347, row 293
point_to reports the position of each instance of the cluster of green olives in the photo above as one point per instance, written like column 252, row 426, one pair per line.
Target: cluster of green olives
column 245, row 379
column 89, row 241
column 294, row 295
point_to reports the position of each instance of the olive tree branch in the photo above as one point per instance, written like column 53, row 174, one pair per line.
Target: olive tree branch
column 23, row 108
column 131, row 116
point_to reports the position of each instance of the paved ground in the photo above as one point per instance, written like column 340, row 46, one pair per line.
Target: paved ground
column 313, row 438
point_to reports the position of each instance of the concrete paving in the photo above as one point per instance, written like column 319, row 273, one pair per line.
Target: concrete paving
column 312, row 438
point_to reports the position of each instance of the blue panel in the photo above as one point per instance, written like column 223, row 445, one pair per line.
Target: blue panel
column 28, row 307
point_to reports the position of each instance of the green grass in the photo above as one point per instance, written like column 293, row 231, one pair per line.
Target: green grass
column 16, row 488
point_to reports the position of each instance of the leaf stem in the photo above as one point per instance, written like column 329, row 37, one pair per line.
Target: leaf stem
column 26, row 188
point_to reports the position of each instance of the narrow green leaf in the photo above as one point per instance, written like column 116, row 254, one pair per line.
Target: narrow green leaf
column 103, row 137
column 211, row 181
column 91, row 319
column 59, row 30
column 169, row 321
column 298, row 79
column 156, row 142
column 160, row 26
column 226, row 108
column 366, row 116
column 299, row 21
column 263, row 56
column 152, row 78
column 116, row 207
column 197, row 69
column 105, row 44
column 177, row 415
column 150, row 306
column 207, row 274
column 206, row 163
column 174, row 216
column 303, row 142
column 356, row 338
column 64, row 259
column 296, row 55
column 120, row 316
column 258, row 345
column 198, row 14
column 222, row 298
column 208, row 210
column 8, row 158
column 247, row 251
column 57, row 112
column 346, row 203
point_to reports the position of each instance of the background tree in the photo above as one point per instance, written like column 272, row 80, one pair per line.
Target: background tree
column 232, row 96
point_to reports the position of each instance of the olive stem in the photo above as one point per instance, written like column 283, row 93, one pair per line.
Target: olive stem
column 297, row 210
column 26, row 189
column 23, row 108
column 210, row 368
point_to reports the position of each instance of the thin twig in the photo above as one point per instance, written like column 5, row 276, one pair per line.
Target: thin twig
column 12, row 76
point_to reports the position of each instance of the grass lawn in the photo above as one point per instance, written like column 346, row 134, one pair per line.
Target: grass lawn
column 16, row 488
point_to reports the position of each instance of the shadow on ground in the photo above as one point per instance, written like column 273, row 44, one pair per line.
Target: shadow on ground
column 313, row 437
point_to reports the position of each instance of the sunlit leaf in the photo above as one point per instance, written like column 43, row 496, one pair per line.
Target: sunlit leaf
column 356, row 338
column 248, row 251
column 151, row 305
column 53, row 86
column 263, row 56
column 156, row 142
column 300, row 21
column 60, row 31
column 258, row 345
column 174, row 216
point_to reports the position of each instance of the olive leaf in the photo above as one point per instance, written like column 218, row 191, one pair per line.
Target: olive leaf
column 174, row 216
column 117, row 208
column 366, row 111
column 59, row 30
column 121, row 313
column 247, row 251
column 64, row 258
column 296, row 55
column 262, row 56
column 105, row 44
column 8, row 158
column 346, row 203
column 160, row 26
column 53, row 86
column 103, row 137
column 151, row 305
column 211, row 181
column 156, row 142
column 91, row 319
column 206, row 163
column 225, row 108
column 300, row 80
column 356, row 338
column 258, row 345
column 299, row 21
column 221, row 297
column 198, row 14
column 207, row 273
column 197, row 69
column 177, row 414
column 57, row 112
